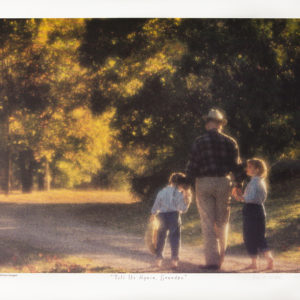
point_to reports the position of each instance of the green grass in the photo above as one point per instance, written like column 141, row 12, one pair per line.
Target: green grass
column 69, row 197
column 283, row 223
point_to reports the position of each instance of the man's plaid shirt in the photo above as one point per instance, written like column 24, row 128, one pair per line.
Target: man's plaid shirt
column 214, row 154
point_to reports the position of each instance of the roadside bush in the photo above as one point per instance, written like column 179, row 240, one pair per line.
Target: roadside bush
column 283, row 170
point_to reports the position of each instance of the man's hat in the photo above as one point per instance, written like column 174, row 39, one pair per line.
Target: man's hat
column 215, row 114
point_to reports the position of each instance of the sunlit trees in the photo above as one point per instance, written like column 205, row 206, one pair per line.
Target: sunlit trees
column 148, row 82
column 178, row 69
column 21, row 87
column 46, row 105
column 68, row 89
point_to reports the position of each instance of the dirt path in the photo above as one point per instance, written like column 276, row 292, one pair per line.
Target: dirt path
column 48, row 230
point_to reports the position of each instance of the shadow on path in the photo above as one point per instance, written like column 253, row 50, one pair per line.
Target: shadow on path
column 26, row 230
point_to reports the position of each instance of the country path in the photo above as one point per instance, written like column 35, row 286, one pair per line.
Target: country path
column 47, row 229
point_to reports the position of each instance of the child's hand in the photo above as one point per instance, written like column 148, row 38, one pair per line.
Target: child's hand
column 237, row 194
column 238, row 199
column 152, row 217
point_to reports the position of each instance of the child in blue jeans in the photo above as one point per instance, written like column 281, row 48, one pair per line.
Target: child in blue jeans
column 170, row 202
column 254, row 216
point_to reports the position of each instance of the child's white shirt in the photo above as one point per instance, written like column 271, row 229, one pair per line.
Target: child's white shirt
column 170, row 199
column 256, row 191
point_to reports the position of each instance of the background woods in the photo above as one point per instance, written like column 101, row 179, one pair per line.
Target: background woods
column 117, row 103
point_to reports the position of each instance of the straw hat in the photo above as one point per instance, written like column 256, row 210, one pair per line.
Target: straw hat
column 215, row 114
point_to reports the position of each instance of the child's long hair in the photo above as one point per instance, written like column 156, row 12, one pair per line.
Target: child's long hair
column 259, row 164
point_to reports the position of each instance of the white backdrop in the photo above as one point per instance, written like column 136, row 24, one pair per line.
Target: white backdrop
column 149, row 286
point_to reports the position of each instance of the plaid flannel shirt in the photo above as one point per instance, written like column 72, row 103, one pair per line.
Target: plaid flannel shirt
column 215, row 154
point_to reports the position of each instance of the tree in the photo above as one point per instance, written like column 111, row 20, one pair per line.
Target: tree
column 178, row 69
column 79, row 147
column 69, row 87
column 42, row 86
column 19, row 81
column 62, row 137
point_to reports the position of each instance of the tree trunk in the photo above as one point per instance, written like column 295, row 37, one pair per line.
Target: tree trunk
column 26, row 168
column 43, row 176
column 7, row 164
column 47, row 176
column 41, row 181
column 7, row 171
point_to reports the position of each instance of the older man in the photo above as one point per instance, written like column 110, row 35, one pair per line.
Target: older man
column 214, row 157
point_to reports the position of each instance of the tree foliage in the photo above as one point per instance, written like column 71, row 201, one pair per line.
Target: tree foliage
column 148, row 83
column 20, row 84
column 178, row 69
column 44, row 90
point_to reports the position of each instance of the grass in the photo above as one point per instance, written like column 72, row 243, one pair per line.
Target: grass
column 120, row 211
column 69, row 197
column 283, row 223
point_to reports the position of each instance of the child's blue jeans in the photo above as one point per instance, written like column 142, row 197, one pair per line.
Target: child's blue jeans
column 169, row 222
